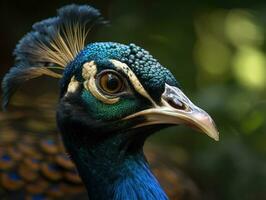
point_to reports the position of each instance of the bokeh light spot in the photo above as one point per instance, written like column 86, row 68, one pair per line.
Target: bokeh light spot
column 241, row 28
column 249, row 68
column 212, row 55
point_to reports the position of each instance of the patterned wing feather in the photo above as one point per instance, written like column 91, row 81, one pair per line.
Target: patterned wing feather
column 34, row 164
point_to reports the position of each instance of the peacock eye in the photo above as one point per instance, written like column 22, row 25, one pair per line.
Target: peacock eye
column 110, row 82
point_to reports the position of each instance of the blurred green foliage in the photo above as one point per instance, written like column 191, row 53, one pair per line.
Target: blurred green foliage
column 217, row 51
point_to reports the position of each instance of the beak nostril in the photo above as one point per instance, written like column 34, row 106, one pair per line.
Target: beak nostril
column 176, row 104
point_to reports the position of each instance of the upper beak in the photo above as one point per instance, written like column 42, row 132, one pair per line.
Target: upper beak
column 176, row 108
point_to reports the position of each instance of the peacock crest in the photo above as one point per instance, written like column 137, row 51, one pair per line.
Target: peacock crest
column 50, row 46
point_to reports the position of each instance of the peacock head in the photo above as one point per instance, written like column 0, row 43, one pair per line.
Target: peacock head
column 116, row 90
column 110, row 92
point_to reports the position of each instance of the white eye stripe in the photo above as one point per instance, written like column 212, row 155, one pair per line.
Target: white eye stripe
column 133, row 79
column 89, row 71
column 72, row 86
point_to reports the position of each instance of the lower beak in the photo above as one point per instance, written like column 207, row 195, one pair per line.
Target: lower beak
column 176, row 108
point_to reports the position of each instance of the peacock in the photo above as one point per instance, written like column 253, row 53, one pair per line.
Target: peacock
column 112, row 97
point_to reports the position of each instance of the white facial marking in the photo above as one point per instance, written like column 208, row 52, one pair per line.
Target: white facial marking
column 88, row 73
column 133, row 79
column 72, row 86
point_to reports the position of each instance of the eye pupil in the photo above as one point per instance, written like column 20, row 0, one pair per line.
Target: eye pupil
column 110, row 83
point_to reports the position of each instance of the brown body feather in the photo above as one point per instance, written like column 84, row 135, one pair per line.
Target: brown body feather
column 33, row 160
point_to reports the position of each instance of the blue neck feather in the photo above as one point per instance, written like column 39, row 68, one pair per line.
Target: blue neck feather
column 131, row 179
column 115, row 170
column 137, row 181
column 109, row 158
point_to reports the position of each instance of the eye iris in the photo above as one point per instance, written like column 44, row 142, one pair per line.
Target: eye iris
column 111, row 83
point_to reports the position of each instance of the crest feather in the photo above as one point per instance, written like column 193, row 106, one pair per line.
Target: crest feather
column 52, row 43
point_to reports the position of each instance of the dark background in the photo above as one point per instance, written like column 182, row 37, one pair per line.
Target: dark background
column 216, row 50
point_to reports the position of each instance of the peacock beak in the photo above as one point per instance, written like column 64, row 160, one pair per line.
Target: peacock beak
column 176, row 108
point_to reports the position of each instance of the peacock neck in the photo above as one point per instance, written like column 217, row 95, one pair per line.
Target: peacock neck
column 109, row 158
column 126, row 177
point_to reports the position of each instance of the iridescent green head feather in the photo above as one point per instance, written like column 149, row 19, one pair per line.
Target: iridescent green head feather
column 149, row 71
